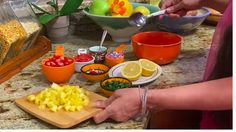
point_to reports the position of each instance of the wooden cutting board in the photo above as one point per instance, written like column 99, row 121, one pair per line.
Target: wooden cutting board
column 41, row 46
column 61, row 119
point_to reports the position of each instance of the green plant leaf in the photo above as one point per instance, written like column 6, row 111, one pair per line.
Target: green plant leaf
column 40, row 9
column 44, row 19
column 70, row 6
column 52, row 4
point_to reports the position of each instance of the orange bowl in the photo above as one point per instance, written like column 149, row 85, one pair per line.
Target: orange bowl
column 113, row 61
column 160, row 47
column 58, row 74
column 94, row 77
column 109, row 92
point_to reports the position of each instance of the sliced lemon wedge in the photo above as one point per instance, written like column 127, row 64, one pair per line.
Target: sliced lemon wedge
column 132, row 70
column 148, row 67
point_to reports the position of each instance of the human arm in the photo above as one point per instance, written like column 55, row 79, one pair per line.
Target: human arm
column 210, row 95
column 125, row 103
column 180, row 7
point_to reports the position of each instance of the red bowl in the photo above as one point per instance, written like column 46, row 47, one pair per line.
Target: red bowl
column 160, row 47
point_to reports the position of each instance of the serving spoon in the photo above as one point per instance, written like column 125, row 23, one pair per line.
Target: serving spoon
column 138, row 19
column 104, row 34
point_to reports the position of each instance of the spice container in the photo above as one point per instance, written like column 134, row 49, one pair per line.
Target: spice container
column 28, row 20
column 12, row 34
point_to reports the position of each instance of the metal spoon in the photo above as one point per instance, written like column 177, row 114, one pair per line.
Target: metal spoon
column 138, row 19
column 104, row 34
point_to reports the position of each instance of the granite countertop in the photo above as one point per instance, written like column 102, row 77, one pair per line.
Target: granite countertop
column 187, row 69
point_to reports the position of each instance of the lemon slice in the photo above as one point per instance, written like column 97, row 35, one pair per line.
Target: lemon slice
column 142, row 9
column 132, row 70
column 148, row 67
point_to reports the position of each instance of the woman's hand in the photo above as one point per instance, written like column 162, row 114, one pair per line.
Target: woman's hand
column 121, row 106
column 177, row 8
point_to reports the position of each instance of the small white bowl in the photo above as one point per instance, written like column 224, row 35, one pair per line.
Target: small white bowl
column 78, row 65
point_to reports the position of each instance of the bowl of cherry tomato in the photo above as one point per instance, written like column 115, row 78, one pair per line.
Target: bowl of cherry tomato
column 95, row 72
column 83, row 59
column 58, row 69
column 109, row 85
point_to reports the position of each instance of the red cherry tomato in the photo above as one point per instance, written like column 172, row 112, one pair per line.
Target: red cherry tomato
column 70, row 60
column 59, row 61
column 66, row 63
column 93, row 72
column 47, row 63
column 56, row 56
column 60, row 64
column 53, row 63
column 62, row 58
column 65, row 59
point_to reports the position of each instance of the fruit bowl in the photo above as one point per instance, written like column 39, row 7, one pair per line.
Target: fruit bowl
column 118, row 26
column 183, row 24
column 58, row 69
column 109, row 85
column 94, row 72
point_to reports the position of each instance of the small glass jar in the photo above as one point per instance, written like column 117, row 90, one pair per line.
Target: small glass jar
column 19, row 28
column 28, row 20
column 12, row 34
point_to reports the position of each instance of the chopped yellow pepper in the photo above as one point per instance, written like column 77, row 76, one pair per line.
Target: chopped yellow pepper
column 55, row 98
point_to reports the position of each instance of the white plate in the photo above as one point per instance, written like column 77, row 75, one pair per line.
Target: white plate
column 116, row 72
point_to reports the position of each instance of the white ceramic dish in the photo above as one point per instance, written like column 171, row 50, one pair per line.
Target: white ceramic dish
column 115, row 72
column 79, row 65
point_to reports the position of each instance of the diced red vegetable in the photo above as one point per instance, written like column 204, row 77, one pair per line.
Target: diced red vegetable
column 95, row 71
column 83, row 58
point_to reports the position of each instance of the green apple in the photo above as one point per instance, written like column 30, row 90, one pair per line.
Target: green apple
column 99, row 7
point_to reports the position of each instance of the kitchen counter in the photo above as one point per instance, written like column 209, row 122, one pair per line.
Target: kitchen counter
column 187, row 69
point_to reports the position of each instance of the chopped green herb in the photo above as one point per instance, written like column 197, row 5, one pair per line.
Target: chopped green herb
column 114, row 85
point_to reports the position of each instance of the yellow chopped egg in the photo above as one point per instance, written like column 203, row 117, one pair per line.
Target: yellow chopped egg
column 55, row 98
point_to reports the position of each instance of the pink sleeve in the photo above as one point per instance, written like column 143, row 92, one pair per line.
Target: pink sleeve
column 208, row 118
column 224, row 22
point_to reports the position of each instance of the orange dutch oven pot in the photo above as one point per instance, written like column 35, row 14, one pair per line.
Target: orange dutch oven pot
column 160, row 47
